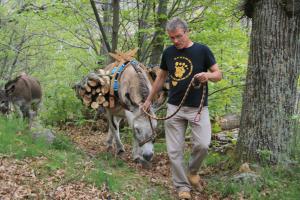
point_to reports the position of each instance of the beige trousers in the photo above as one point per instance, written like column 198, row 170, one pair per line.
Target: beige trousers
column 175, row 129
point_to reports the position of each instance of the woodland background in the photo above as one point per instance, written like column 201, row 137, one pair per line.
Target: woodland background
column 59, row 42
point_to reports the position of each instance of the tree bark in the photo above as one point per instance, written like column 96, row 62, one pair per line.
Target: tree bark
column 271, row 85
column 100, row 25
column 160, row 25
column 116, row 24
column 143, row 13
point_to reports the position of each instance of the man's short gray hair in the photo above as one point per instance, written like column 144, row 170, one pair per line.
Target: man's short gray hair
column 175, row 23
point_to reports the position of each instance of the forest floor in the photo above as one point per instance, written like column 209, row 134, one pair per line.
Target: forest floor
column 30, row 172
column 94, row 143
column 78, row 166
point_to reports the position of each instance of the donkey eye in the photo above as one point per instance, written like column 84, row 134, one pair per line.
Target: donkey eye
column 137, row 131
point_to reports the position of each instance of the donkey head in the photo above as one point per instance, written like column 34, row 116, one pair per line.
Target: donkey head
column 143, row 131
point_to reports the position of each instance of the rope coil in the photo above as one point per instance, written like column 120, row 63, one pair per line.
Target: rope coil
column 197, row 117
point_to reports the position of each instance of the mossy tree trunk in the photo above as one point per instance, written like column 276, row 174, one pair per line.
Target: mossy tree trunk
column 271, row 87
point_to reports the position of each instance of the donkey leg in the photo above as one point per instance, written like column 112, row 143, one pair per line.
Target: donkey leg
column 17, row 105
column 113, row 133
column 25, row 108
column 35, row 105
column 110, row 137
column 119, row 145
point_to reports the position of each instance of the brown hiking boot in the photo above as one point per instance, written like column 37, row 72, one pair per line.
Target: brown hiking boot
column 184, row 195
column 194, row 180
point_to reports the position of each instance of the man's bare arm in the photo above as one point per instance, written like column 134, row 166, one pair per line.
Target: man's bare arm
column 214, row 74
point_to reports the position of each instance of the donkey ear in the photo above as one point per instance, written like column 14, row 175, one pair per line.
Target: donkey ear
column 10, row 89
column 131, row 106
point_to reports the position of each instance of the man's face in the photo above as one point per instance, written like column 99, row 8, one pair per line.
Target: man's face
column 179, row 37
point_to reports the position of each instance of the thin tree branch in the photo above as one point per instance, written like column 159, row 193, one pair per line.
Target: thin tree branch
column 100, row 25
column 225, row 88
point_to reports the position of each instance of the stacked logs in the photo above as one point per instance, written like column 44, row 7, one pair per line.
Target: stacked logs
column 94, row 89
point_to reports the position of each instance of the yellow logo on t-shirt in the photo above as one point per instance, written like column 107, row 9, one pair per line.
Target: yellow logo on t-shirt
column 183, row 69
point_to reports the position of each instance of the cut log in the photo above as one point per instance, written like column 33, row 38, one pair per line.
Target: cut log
column 101, row 80
column 81, row 92
column 92, row 76
column 87, row 88
column 89, row 95
column 105, row 89
column 94, row 91
column 95, row 105
column 106, row 80
column 101, row 72
column 105, row 104
column 92, row 83
column 98, row 90
column 86, row 100
column 100, row 99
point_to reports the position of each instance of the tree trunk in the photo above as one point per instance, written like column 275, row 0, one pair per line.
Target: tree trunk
column 158, row 41
column 271, row 87
column 143, row 8
column 107, row 10
column 93, row 4
column 116, row 24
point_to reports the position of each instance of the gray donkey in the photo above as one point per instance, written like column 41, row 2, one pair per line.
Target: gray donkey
column 25, row 93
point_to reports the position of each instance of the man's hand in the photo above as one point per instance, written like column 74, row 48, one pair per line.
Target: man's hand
column 146, row 105
column 202, row 77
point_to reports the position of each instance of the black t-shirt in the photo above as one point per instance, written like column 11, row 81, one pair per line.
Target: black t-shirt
column 182, row 65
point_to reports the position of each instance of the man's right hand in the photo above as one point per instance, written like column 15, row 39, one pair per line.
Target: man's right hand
column 146, row 105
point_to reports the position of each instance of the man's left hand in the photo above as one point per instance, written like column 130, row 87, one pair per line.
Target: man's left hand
column 202, row 77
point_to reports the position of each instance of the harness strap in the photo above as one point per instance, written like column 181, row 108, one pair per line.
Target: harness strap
column 113, row 92
column 152, row 137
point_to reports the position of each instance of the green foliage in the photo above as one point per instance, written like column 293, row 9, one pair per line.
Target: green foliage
column 264, row 155
column 277, row 182
column 62, row 155
column 160, row 147
column 117, row 176
column 62, row 142
column 216, row 128
column 229, row 42
column 17, row 141
column 60, row 103
column 295, row 140
column 60, row 44
column 214, row 158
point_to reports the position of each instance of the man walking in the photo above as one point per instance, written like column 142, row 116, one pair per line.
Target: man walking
column 181, row 62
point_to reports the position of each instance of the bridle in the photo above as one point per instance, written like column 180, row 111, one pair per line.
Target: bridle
column 151, row 138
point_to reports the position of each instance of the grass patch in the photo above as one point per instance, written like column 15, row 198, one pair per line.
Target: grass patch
column 160, row 147
column 17, row 141
column 123, row 181
column 275, row 182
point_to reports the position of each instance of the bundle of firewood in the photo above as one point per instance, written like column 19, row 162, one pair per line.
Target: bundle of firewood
column 94, row 89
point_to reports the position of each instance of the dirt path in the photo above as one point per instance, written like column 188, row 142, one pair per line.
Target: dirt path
column 25, row 179
column 93, row 142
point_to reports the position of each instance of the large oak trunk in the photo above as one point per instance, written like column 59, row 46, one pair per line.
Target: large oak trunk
column 270, row 93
